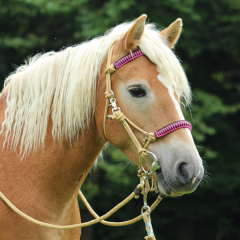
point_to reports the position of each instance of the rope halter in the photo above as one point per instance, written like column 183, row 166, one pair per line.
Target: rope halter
column 117, row 114
column 142, row 151
column 149, row 137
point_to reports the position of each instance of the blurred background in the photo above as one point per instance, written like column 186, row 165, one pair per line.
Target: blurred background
column 209, row 49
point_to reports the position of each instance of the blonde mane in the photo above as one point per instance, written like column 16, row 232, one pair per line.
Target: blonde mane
column 63, row 85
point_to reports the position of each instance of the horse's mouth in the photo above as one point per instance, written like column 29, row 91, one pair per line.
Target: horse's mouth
column 163, row 186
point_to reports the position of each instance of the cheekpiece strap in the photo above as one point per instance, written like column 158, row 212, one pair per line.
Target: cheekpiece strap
column 172, row 127
column 129, row 57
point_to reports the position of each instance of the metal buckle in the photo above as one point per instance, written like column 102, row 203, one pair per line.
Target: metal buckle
column 145, row 206
column 114, row 105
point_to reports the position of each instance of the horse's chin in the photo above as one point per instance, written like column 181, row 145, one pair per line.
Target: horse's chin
column 163, row 186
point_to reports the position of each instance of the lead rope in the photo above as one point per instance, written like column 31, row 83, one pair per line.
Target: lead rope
column 118, row 224
column 89, row 223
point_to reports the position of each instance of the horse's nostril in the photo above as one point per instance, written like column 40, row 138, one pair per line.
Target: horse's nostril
column 186, row 175
column 183, row 172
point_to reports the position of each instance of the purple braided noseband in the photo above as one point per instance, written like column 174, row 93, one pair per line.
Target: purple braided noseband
column 170, row 127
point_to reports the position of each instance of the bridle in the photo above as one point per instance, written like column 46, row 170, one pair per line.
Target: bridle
column 142, row 151
column 121, row 117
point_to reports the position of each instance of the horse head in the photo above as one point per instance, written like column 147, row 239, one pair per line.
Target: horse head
column 53, row 112
column 148, row 91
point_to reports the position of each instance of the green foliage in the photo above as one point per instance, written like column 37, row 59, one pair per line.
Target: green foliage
column 209, row 49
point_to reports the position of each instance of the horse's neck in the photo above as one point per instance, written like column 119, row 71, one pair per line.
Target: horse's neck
column 69, row 164
column 54, row 174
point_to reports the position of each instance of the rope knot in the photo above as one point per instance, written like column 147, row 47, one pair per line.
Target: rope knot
column 109, row 94
column 140, row 173
column 151, row 237
column 111, row 69
column 142, row 152
column 151, row 136
column 120, row 116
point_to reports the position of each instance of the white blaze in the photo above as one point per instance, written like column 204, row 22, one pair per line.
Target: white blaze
column 176, row 103
column 178, row 108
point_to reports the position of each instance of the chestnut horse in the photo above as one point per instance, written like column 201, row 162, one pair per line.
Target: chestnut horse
column 52, row 111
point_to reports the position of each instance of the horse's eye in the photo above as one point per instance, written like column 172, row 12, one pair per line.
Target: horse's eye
column 137, row 92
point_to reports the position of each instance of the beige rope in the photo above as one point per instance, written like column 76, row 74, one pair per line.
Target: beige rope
column 108, row 93
column 117, row 224
column 154, row 186
column 80, row 225
column 67, row 227
column 123, row 119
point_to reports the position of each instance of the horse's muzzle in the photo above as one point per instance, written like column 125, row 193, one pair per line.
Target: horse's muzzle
column 183, row 179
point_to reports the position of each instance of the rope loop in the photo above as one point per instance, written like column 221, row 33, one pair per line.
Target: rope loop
column 151, row 137
column 120, row 116
column 111, row 69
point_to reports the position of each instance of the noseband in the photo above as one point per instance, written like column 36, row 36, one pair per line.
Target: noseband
column 119, row 115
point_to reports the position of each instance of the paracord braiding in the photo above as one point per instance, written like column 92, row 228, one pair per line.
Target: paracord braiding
column 172, row 127
column 129, row 57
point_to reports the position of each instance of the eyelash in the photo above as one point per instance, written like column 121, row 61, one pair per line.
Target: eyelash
column 137, row 92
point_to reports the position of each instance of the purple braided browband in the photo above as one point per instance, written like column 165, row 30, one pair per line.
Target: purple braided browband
column 172, row 127
column 129, row 57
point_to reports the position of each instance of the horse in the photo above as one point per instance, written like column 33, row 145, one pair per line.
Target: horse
column 52, row 115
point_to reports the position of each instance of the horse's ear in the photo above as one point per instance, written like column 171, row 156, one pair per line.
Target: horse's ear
column 172, row 32
column 132, row 37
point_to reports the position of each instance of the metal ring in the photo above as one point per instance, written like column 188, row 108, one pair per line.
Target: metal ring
column 142, row 159
column 152, row 154
column 154, row 161
column 146, row 207
column 141, row 164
